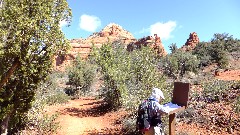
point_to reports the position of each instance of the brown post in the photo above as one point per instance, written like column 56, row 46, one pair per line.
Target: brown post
column 172, row 121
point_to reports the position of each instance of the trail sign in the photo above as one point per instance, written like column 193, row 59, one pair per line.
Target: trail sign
column 179, row 102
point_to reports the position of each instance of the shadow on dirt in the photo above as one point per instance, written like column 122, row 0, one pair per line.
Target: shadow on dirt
column 106, row 131
column 96, row 109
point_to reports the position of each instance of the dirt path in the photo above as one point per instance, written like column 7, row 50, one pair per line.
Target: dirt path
column 87, row 116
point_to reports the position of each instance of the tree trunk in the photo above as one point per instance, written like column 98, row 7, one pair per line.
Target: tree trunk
column 8, row 74
column 4, row 125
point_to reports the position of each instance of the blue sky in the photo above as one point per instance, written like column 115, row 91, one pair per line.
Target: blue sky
column 172, row 20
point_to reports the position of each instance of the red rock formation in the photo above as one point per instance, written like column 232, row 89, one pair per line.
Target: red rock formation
column 83, row 47
column 191, row 42
column 113, row 30
column 110, row 33
column 154, row 42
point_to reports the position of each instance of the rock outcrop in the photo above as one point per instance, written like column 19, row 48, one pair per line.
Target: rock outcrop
column 154, row 42
column 115, row 30
column 111, row 33
column 83, row 47
column 191, row 42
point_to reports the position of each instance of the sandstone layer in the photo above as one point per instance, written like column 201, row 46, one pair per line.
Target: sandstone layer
column 111, row 33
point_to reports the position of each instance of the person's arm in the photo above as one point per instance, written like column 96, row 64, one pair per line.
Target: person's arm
column 160, row 108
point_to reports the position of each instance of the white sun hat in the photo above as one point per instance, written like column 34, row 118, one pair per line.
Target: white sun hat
column 157, row 93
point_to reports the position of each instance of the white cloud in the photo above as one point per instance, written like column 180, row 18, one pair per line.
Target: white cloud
column 89, row 23
column 163, row 30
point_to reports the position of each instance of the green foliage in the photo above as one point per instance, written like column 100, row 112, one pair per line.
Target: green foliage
column 81, row 76
column 50, row 91
column 128, row 76
column 214, row 91
column 129, row 126
column 178, row 63
column 217, row 50
column 209, row 53
column 237, row 105
column 202, row 50
column 38, row 122
column 230, row 44
column 236, row 85
column 30, row 36
column 143, row 76
column 173, row 47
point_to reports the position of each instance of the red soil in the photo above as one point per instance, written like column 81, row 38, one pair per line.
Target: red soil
column 87, row 116
column 229, row 75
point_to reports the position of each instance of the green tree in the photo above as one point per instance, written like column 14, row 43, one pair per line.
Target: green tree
column 173, row 47
column 178, row 63
column 202, row 51
column 218, row 50
column 81, row 75
column 229, row 43
column 128, row 76
column 30, row 36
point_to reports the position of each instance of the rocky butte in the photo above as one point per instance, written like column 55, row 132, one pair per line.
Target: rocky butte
column 154, row 42
column 191, row 42
column 112, row 32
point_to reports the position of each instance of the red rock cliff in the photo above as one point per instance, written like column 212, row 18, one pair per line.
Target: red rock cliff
column 154, row 42
column 191, row 42
column 111, row 32
column 83, row 47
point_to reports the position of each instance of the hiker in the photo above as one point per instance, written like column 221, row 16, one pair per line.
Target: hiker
column 155, row 110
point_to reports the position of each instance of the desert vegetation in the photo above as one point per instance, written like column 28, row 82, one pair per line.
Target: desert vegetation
column 129, row 76
column 28, row 83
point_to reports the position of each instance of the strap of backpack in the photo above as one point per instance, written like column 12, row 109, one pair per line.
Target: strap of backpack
column 149, row 108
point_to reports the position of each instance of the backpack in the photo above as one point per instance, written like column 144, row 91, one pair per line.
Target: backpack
column 143, row 118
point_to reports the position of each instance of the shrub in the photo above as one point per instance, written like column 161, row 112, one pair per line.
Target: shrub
column 128, row 76
column 47, row 90
column 38, row 122
column 219, row 55
column 217, row 50
column 202, row 51
column 81, row 75
column 51, row 91
column 129, row 126
column 230, row 44
column 215, row 90
column 237, row 105
column 178, row 63
column 173, row 47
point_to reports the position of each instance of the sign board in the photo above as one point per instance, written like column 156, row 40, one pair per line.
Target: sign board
column 179, row 101
column 181, row 93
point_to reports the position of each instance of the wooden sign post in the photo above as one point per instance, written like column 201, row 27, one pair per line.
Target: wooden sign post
column 180, row 98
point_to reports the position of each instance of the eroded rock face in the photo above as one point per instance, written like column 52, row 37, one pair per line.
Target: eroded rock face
column 115, row 30
column 83, row 47
column 154, row 42
column 112, row 32
column 191, row 42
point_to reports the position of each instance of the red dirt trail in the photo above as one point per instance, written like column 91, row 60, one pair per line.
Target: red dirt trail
column 87, row 116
